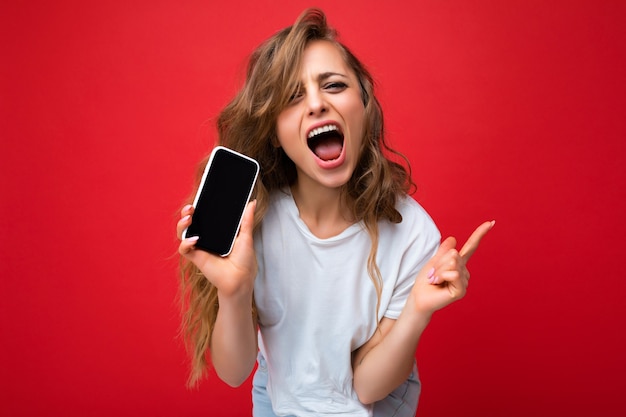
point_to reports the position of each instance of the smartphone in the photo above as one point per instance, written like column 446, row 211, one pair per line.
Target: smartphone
column 227, row 183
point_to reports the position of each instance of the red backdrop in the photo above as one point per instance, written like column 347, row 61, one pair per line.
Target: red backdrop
column 512, row 110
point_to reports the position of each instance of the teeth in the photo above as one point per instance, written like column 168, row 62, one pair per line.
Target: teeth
column 320, row 130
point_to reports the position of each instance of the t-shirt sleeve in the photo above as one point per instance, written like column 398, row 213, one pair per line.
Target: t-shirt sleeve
column 421, row 241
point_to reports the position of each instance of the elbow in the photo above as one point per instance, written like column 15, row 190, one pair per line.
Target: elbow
column 232, row 380
column 367, row 397
column 235, row 383
column 368, row 400
column 373, row 389
column 234, row 373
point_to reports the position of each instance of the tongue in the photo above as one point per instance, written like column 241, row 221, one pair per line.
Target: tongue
column 328, row 150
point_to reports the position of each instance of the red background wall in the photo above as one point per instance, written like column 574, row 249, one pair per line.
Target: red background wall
column 512, row 110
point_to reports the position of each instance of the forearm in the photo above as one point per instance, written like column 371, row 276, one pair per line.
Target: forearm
column 234, row 341
column 388, row 364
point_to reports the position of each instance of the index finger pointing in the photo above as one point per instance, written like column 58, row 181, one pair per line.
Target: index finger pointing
column 471, row 245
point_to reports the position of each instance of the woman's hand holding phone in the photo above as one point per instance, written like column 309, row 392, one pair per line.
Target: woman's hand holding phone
column 234, row 274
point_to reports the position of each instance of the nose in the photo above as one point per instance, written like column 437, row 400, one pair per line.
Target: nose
column 316, row 105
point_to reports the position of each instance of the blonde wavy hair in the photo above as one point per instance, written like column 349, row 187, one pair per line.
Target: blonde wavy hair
column 248, row 125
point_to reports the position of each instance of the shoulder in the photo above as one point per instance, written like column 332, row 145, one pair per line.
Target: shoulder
column 415, row 217
column 407, row 204
column 416, row 237
column 416, row 230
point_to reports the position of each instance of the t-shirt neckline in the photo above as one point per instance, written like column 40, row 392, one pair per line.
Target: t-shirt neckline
column 292, row 209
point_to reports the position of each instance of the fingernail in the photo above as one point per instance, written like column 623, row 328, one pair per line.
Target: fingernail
column 431, row 273
column 192, row 238
column 187, row 217
column 187, row 207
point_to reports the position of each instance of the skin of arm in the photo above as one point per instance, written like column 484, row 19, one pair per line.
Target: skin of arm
column 386, row 360
column 234, row 341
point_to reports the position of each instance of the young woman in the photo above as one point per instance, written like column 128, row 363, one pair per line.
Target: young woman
column 336, row 271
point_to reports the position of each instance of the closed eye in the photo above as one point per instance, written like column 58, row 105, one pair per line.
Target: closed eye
column 295, row 97
column 335, row 86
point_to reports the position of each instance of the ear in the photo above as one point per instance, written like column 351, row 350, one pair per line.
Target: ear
column 274, row 141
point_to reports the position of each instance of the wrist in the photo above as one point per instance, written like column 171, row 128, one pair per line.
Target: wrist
column 241, row 296
column 418, row 317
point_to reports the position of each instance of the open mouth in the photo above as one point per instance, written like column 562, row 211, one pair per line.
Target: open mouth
column 326, row 142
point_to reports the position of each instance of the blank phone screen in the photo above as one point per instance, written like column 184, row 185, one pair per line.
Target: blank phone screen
column 222, row 201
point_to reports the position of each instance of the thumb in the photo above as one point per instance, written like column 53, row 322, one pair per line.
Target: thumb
column 246, row 230
column 247, row 222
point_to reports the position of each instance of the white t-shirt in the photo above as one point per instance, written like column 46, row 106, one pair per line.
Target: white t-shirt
column 317, row 303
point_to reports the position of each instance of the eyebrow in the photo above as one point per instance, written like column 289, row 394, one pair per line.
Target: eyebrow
column 326, row 75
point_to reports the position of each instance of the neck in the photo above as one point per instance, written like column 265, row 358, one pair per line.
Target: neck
column 322, row 209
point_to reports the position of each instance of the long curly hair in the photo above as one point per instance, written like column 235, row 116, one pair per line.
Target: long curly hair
column 248, row 125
